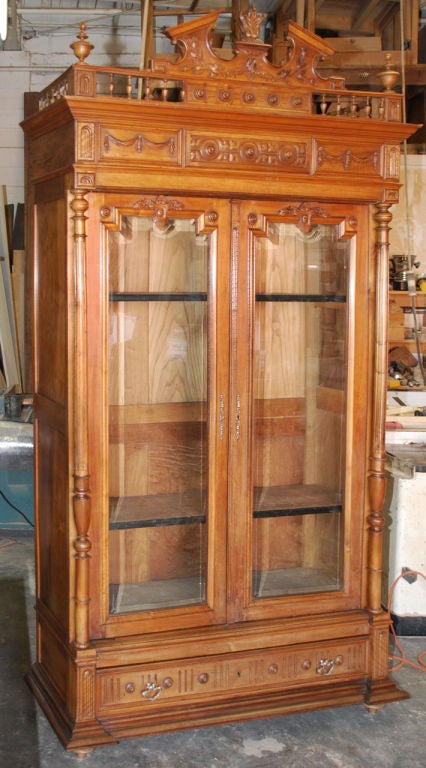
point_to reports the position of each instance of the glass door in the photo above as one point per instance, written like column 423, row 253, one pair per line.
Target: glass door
column 301, row 493
column 163, row 428
column 299, row 396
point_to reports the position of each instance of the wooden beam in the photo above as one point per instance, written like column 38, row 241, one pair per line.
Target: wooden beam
column 367, row 12
column 284, row 7
column 238, row 7
column 146, row 33
column 310, row 15
column 300, row 12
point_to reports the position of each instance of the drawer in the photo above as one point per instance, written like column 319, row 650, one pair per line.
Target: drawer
column 267, row 670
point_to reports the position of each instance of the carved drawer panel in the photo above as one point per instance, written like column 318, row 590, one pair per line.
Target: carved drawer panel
column 364, row 162
column 264, row 670
column 248, row 152
column 147, row 145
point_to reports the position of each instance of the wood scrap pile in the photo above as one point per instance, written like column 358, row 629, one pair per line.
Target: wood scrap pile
column 402, row 367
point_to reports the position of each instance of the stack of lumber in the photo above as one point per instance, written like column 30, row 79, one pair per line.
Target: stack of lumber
column 12, row 262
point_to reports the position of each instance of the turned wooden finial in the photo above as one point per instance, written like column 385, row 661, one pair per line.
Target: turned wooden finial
column 388, row 76
column 81, row 46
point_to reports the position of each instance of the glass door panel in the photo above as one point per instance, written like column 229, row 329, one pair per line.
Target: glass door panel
column 299, row 390
column 157, row 350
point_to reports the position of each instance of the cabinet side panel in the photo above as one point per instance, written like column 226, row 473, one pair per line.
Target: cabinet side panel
column 51, row 445
column 53, row 555
column 51, row 301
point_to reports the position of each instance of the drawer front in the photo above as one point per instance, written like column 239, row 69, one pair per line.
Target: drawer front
column 261, row 670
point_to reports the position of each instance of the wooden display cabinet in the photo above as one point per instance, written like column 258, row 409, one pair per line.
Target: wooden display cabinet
column 210, row 272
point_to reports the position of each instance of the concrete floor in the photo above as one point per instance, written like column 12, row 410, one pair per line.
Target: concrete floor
column 349, row 737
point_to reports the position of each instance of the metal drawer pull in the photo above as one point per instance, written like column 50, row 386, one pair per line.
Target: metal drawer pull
column 238, row 418
column 152, row 691
column 325, row 667
column 221, row 416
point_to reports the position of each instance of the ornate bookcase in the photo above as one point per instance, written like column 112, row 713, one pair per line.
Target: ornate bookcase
column 210, row 244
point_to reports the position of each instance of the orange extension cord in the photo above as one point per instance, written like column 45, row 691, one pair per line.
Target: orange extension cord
column 6, row 542
column 402, row 660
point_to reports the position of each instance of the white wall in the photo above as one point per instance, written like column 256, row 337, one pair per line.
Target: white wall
column 408, row 233
column 14, row 80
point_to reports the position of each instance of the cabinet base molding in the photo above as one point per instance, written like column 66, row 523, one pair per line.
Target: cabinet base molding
column 83, row 738
column 78, row 737
column 381, row 692
column 143, row 699
column 248, row 708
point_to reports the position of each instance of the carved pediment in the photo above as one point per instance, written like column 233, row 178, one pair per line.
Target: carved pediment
column 249, row 61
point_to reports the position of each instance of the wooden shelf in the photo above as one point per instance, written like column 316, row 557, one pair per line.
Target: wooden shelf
column 152, row 595
column 202, row 296
column 293, row 581
column 154, row 296
column 159, row 510
column 187, row 508
column 280, row 501
column 303, row 297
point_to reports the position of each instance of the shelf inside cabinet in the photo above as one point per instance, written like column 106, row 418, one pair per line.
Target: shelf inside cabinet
column 286, row 500
column 156, row 594
column 185, row 508
column 293, row 581
column 155, row 296
column 157, row 510
column 303, row 297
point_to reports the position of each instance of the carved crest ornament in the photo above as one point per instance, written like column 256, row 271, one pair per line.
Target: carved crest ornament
column 245, row 78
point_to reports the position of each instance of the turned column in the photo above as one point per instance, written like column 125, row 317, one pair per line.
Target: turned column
column 81, row 494
column 377, row 477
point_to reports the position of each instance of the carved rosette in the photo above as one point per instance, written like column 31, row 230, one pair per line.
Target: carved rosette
column 106, row 212
column 248, row 152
